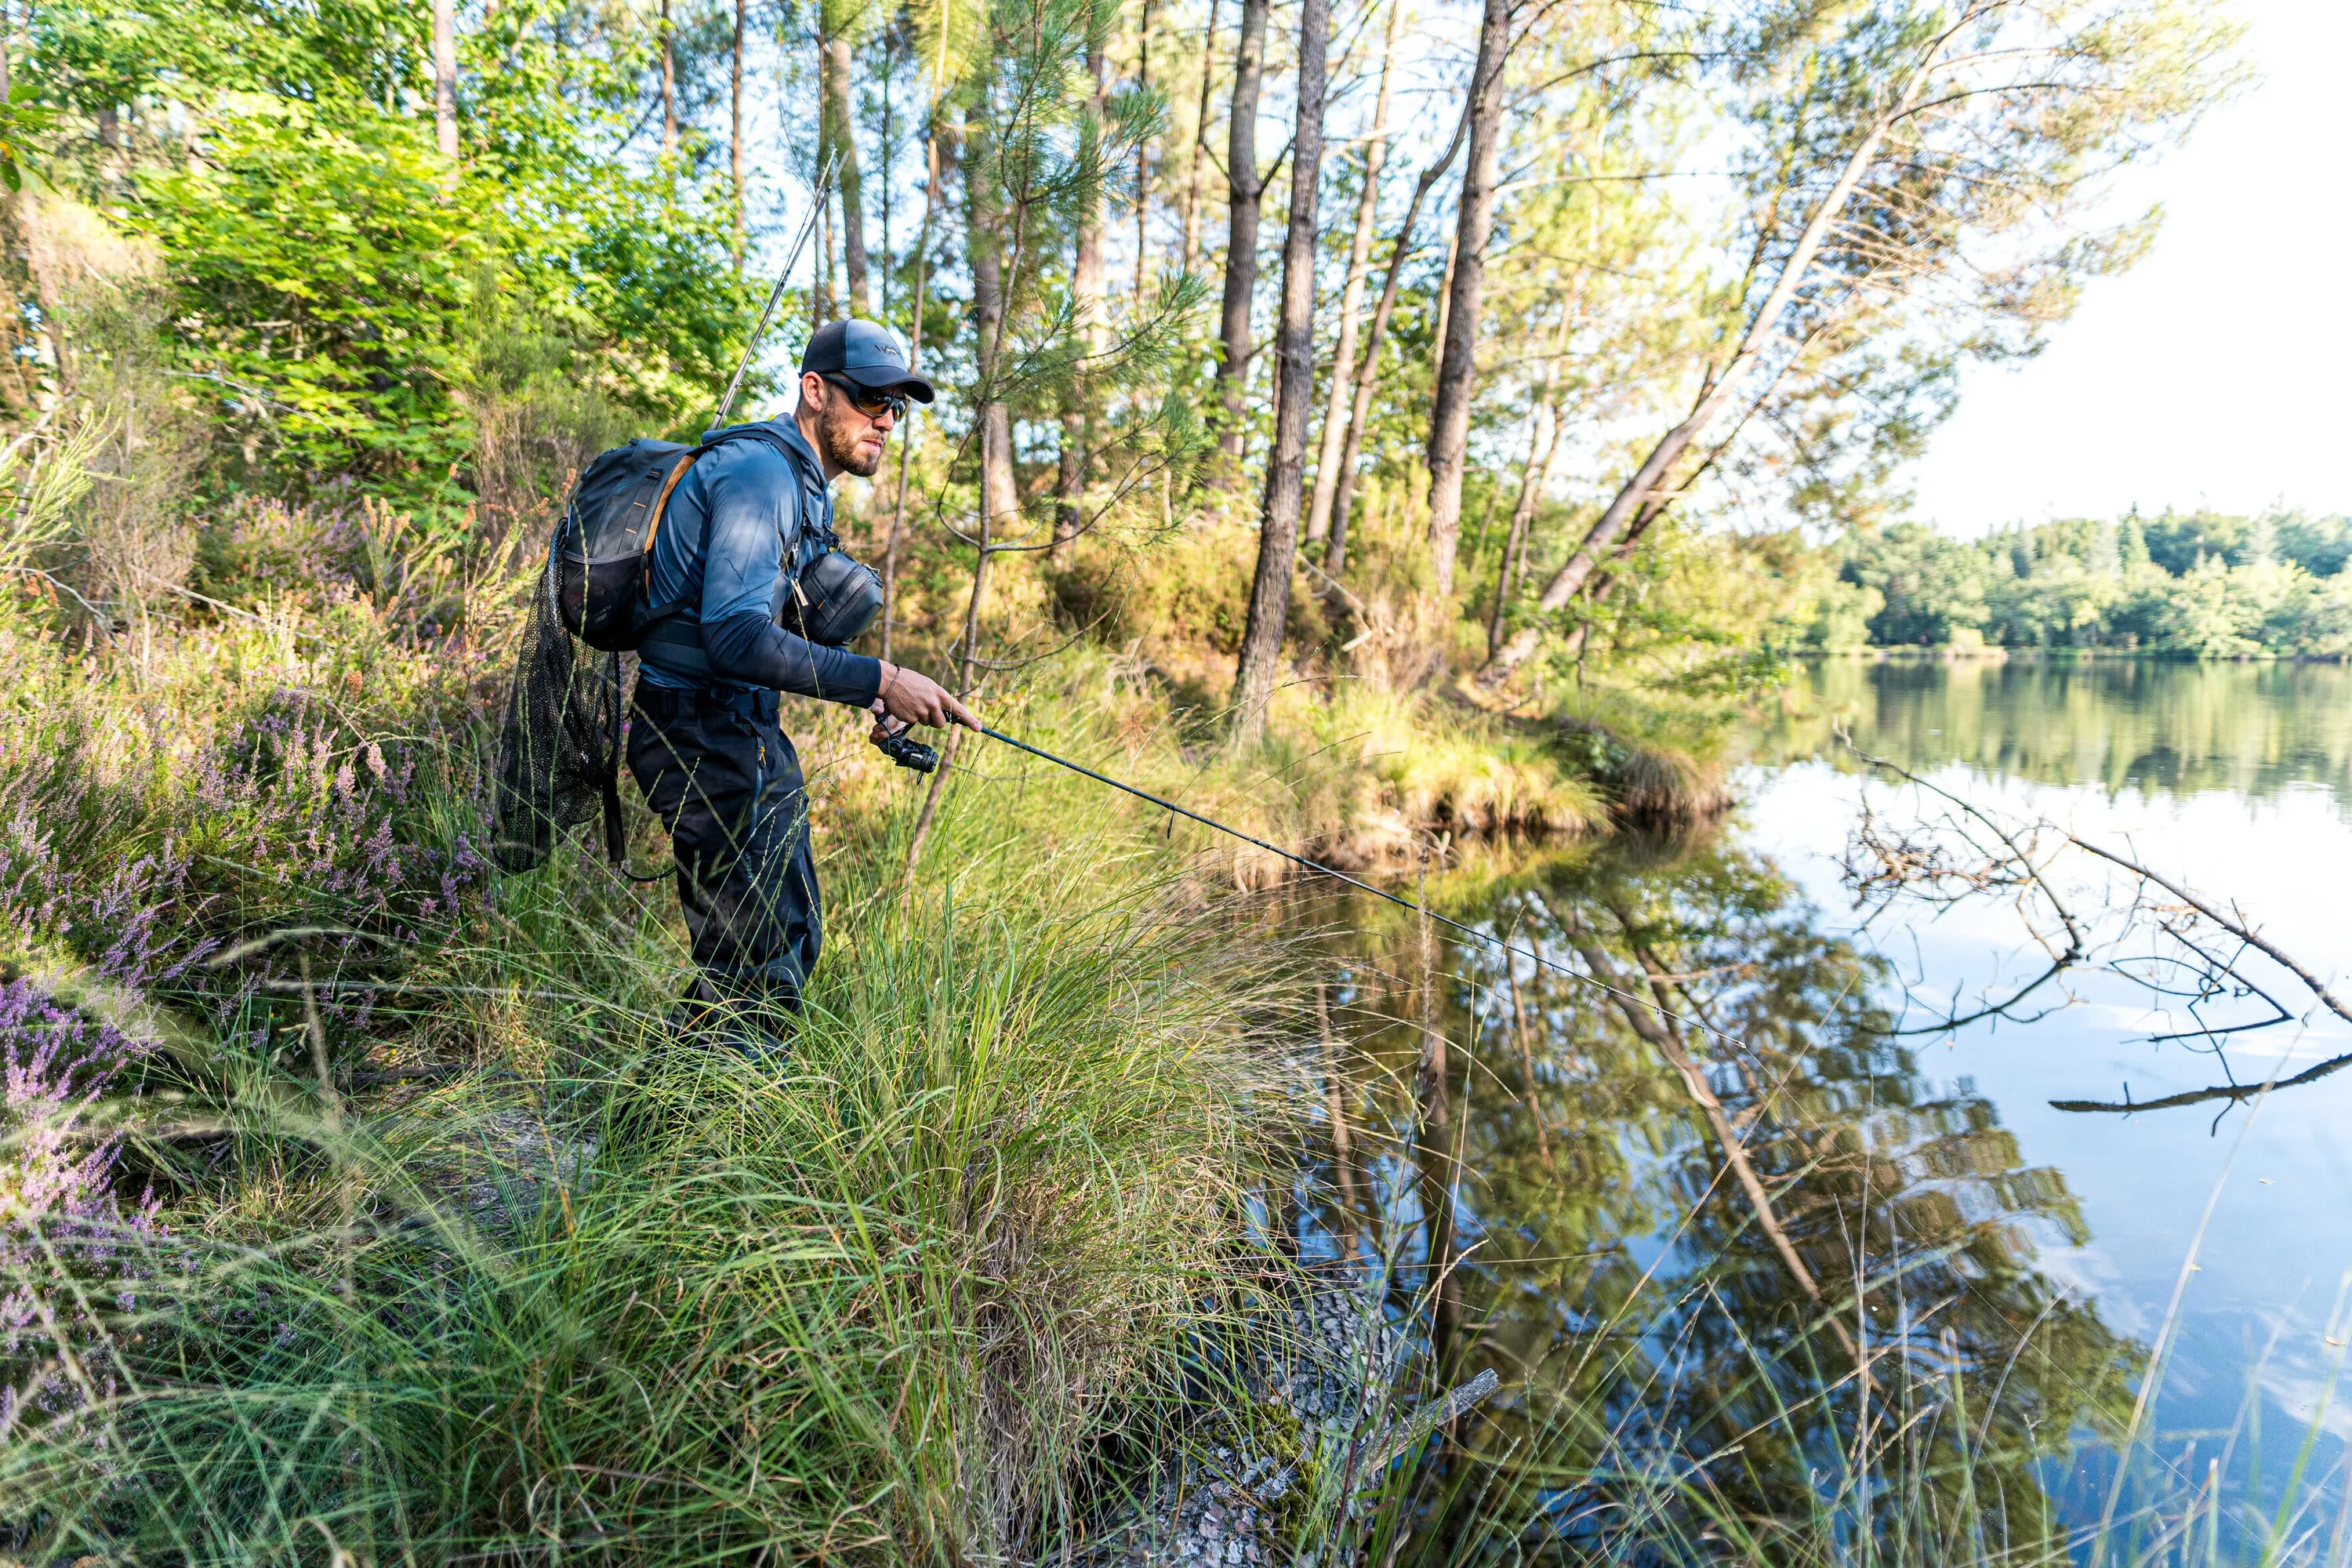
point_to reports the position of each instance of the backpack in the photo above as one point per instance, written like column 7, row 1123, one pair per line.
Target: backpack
column 602, row 554
column 560, row 750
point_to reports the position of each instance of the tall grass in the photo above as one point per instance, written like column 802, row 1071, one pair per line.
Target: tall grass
column 382, row 1219
column 356, row 1207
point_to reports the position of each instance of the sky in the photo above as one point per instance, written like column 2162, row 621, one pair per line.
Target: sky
column 2209, row 376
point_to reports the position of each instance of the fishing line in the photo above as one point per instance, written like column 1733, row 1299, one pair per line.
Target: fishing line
column 768, row 313
column 1489, row 939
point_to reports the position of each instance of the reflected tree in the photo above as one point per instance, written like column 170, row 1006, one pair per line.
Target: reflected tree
column 1737, row 1258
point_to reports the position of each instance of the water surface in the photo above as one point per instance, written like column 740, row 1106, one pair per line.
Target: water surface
column 1646, row 1296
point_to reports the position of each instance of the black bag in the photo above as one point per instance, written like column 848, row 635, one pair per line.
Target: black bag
column 559, row 748
column 605, row 549
column 560, row 752
column 836, row 598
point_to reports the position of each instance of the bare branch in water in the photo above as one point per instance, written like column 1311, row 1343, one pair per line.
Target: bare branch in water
column 2230, row 1092
column 2202, row 959
column 2247, row 934
column 1916, row 865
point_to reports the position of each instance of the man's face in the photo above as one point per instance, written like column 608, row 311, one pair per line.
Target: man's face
column 851, row 441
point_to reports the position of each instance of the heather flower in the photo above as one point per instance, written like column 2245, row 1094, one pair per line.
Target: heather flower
column 68, row 1242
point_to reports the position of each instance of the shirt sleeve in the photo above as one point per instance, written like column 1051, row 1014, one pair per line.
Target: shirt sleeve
column 748, row 488
column 756, row 651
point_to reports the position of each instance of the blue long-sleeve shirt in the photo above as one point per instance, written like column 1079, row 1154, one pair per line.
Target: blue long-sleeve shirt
column 721, row 551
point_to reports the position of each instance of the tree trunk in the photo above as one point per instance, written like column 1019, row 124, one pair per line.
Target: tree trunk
column 1445, row 304
column 821, row 303
column 735, row 132
column 1085, row 303
column 1200, row 143
column 932, row 195
column 1241, row 229
column 1277, row 539
column 1534, row 479
column 669, row 84
column 983, row 227
column 1449, row 420
column 1335, row 548
column 1351, row 297
column 1532, row 485
column 1142, row 163
column 444, row 76
column 833, row 85
column 1649, row 480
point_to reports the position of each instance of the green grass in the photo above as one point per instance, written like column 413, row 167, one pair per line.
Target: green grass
column 567, row 1288
column 879, row 1303
column 455, row 1255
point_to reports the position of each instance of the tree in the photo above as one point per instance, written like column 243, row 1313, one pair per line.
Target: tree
column 1449, row 419
column 1247, row 188
column 1192, row 251
column 1534, row 478
column 1085, row 299
column 1930, row 586
column 1351, row 293
column 735, row 131
column 1335, row 546
column 668, row 82
column 839, row 137
column 444, row 76
column 1278, row 549
column 1901, row 145
column 985, row 240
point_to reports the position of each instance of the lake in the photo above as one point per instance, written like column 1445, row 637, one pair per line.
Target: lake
column 1667, row 1318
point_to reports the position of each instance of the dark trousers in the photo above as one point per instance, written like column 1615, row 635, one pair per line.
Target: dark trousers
column 726, row 785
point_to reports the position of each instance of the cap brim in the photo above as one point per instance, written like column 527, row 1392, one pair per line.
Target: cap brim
column 889, row 378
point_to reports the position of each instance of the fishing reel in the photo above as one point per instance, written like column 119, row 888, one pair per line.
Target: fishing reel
column 908, row 751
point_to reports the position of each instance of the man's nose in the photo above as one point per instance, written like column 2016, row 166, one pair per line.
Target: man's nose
column 886, row 421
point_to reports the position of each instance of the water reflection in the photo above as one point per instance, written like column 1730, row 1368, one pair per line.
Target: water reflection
column 2251, row 728
column 1693, row 1184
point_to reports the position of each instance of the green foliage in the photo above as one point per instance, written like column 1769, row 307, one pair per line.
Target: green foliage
column 330, row 274
column 2200, row 585
column 326, row 269
column 1699, row 614
column 23, row 127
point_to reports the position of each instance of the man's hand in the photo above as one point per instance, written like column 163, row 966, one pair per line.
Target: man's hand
column 912, row 697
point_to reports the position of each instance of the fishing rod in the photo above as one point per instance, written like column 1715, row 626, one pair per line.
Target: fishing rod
column 776, row 294
column 1318, row 867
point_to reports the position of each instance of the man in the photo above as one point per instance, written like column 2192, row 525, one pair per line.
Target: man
column 705, row 743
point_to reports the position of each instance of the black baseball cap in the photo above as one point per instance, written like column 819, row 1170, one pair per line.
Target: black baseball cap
column 866, row 352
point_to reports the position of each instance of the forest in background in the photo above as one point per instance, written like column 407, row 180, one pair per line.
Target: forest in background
column 2182, row 585
column 1376, row 343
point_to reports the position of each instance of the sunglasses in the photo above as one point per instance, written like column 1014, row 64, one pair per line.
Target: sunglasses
column 868, row 402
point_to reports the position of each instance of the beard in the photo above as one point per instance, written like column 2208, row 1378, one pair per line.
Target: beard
column 841, row 431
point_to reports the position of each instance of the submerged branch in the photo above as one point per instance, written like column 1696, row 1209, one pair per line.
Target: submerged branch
column 2198, row 969
column 2230, row 1092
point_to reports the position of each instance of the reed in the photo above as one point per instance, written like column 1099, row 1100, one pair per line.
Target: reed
column 356, row 1207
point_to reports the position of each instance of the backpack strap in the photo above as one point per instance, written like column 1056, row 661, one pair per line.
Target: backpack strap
column 661, row 502
column 683, row 651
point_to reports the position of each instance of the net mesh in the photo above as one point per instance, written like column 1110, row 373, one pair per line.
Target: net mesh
column 559, row 749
